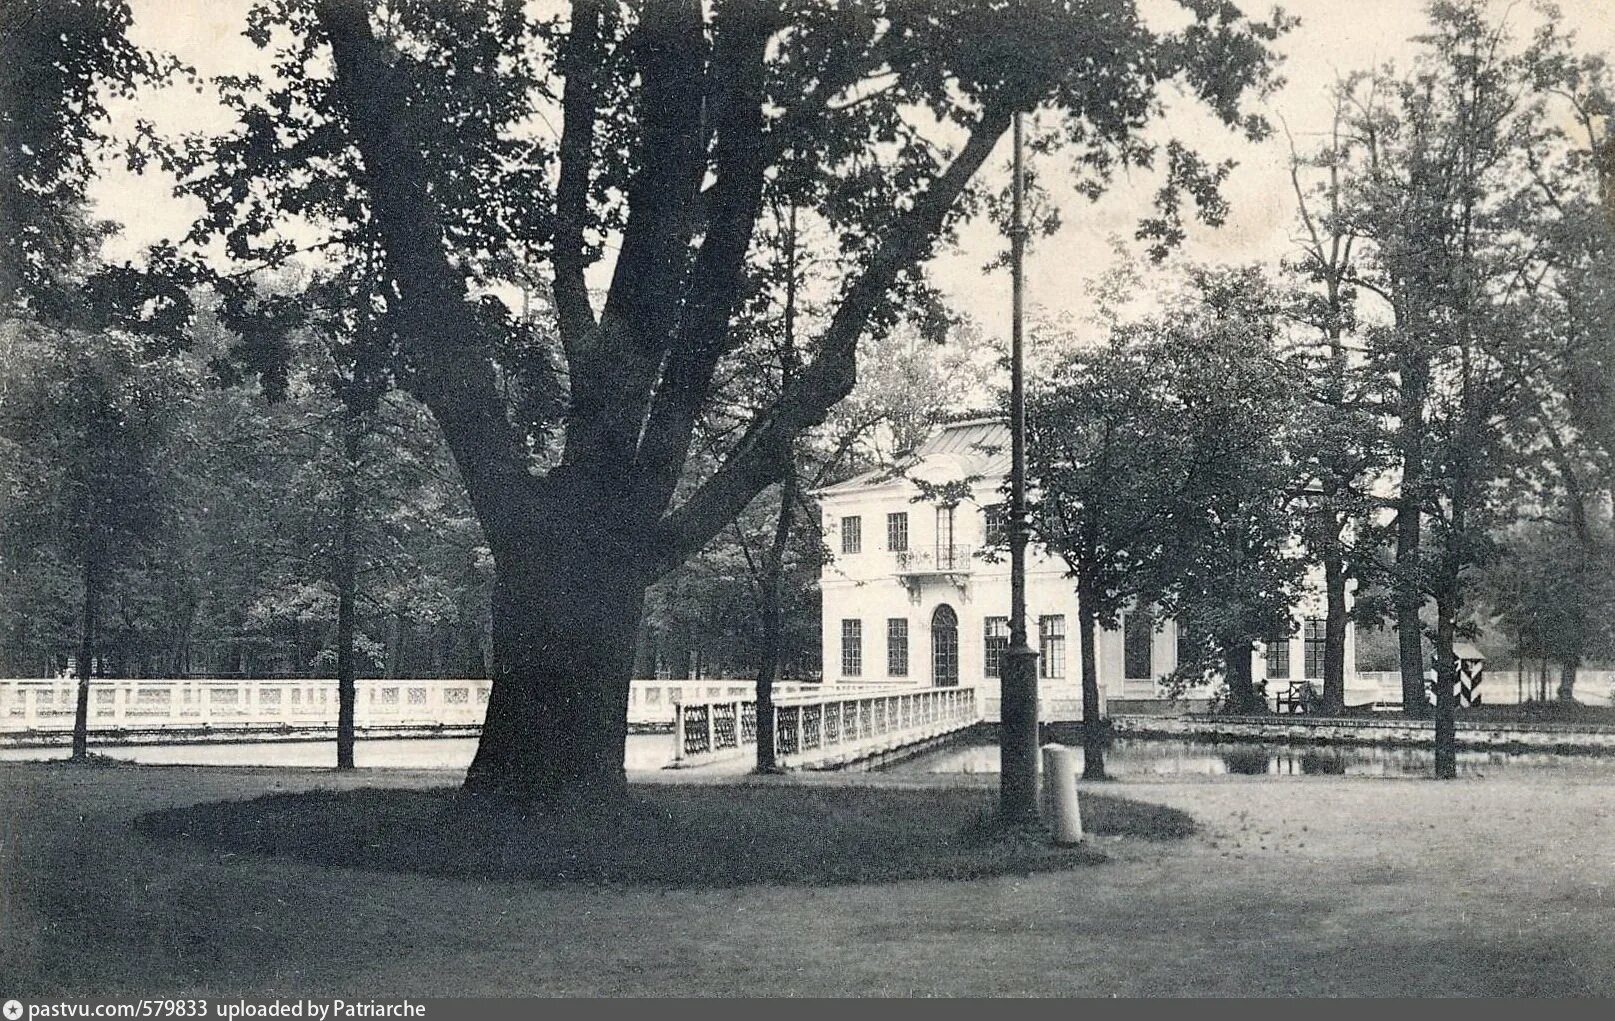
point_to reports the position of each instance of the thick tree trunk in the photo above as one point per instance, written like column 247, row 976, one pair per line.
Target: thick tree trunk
column 1334, row 635
column 91, row 608
column 566, row 611
column 1446, row 735
column 1093, row 723
column 347, row 590
column 1242, row 694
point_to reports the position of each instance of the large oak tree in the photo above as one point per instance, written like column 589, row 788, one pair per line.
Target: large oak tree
column 478, row 143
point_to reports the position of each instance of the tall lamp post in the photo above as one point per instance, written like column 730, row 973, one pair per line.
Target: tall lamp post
column 1017, row 715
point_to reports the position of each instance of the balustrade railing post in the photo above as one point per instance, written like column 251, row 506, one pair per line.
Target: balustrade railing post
column 712, row 734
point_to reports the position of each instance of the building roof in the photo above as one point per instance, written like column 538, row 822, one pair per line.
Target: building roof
column 975, row 447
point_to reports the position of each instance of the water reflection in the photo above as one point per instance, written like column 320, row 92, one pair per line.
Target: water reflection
column 1137, row 757
column 1127, row 757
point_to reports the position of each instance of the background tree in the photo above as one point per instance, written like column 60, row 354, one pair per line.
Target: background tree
column 61, row 61
column 1437, row 200
column 89, row 418
column 1548, row 600
column 1108, row 465
column 1235, row 565
column 1567, row 372
column 1340, row 436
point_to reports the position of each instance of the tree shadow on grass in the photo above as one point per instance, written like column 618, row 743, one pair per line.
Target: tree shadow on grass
column 698, row 836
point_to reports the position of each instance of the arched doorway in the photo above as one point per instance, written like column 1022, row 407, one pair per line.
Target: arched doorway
column 944, row 647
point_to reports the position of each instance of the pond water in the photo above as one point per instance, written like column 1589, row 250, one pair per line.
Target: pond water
column 1127, row 757
column 1144, row 757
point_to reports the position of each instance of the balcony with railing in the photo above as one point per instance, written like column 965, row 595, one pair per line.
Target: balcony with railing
column 952, row 563
column 936, row 560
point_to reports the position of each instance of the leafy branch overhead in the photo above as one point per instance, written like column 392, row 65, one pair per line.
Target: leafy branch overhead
column 482, row 146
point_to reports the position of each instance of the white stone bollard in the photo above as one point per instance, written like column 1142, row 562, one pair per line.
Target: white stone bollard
column 1060, row 778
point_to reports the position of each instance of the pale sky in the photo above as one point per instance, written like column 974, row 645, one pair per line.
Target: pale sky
column 1335, row 37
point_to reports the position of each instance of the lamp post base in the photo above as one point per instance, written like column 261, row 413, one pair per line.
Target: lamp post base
column 1018, row 737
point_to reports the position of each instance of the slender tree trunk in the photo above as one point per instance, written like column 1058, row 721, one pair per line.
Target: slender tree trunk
column 1242, row 695
column 773, row 581
column 773, row 625
column 1334, row 635
column 1093, row 723
column 1449, row 593
column 347, row 588
column 1446, row 732
column 91, row 609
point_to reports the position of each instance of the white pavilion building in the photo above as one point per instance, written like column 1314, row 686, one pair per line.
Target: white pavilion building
column 909, row 598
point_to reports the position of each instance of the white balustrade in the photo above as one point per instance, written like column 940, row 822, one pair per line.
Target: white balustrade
column 152, row 704
column 825, row 727
column 46, row 705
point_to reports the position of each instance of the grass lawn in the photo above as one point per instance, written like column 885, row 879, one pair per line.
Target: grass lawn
column 1323, row 885
column 667, row 835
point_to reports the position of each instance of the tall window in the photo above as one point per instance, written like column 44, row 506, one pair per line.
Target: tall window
column 1138, row 637
column 1051, row 645
column 1312, row 648
column 1278, row 656
column 897, row 646
column 994, row 529
column 944, row 532
column 852, row 648
column 852, row 534
column 995, row 639
column 897, row 532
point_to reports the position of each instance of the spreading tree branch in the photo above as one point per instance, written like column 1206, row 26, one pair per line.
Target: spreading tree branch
column 445, row 346
column 757, row 459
